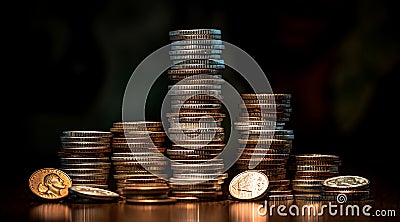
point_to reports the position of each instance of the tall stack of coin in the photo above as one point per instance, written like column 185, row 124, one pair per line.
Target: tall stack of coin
column 265, row 144
column 138, row 149
column 85, row 157
column 346, row 188
column 196, row 118
column 308, row 171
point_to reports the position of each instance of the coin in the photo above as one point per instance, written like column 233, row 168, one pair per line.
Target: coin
column 249, row 185
column 193, row 58
column 81, row 133
column 85, row 139
column 346, row 182
column 50, row 183
column 266, row 96
column 195, row 32
column 204, row 46
column 94, row 193
column 198, row 66
column 195, row 52
column 195, row 37
column 198, row 42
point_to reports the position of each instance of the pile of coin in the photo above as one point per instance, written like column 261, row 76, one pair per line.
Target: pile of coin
column 85, row 157
column 346, row 188
column 265, row 143
column 196, row 118
column 308, row 171
column 138, row 163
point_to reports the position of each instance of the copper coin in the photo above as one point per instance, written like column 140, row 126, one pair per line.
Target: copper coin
column 50, row 183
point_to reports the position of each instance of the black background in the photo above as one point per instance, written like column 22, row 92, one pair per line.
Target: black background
column 338, row 59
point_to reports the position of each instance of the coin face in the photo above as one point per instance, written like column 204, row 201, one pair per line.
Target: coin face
column 50, row 183
column 346, row 182
column 94, row 193
column 249, row 185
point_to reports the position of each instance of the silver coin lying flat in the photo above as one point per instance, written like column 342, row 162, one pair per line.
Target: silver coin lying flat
column 346, row 182
column 94, row 193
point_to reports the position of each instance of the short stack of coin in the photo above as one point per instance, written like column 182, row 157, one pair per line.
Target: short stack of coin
column 346, row 188
column 196, row 118
column 265, row 142
column 308, row 171
column 138, row 162
column 85, row 157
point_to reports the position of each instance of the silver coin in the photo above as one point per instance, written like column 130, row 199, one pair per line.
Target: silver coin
column 84, row 144
column 346, row 182
column 198, row 42
column 266, row 96
column 89, row 133
column 94, row 193
column 194, row 87
column 194, row 37
column 201, row 81
column 84, row 159
column 185, row 58
column 198, row 66
column 85, row 139
column 203, row 46
column 195, row 52
column 195, row 32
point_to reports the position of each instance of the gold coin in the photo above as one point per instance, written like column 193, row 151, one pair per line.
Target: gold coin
column 50, row 183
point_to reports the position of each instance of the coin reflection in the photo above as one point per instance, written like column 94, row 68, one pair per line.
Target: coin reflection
column 200, row 211
column 246, row 211
column 189, row 212
column 50, row 212
column 92, row 212
column 143, row 212
column 256, row 211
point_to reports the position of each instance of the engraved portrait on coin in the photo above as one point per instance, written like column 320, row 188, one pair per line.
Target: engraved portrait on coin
column 249, row 185
column 52, row 186
column 50, row 183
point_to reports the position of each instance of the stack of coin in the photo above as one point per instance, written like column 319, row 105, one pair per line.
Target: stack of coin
column 85, row 157
column 308, row 171
column 195, row 119
column 346, row 188
column 138, row 161
column 265, row 143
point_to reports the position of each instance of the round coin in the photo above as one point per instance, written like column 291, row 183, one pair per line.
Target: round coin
column 346, row 182
column 249, row 185
column 94, row 193
column 50, row 183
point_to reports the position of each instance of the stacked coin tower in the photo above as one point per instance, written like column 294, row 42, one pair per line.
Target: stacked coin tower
column 137, row 167
column 85, row 157
column 308, row 171
column 196, row 119
column 265, row 141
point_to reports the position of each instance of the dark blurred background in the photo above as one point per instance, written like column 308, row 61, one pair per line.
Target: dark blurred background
column 339, row 59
